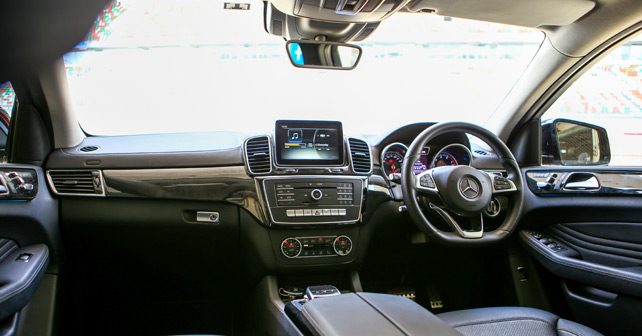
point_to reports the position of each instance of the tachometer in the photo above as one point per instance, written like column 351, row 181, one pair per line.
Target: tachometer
column 444, row 159
column 452, row 155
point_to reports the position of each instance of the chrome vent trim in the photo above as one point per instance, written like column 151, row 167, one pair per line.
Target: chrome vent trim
column 76, row 182
column 258, row 155
column 360, row 156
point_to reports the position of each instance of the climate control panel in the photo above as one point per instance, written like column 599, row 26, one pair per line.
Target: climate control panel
column 316, row 246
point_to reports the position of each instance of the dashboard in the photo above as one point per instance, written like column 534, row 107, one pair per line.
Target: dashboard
column 432, row 156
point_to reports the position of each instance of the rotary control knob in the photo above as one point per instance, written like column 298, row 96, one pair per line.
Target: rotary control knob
column 316, row 194
column 291, row 247
column 342, row 245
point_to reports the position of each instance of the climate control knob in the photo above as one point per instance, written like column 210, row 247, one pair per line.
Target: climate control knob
column 342, row 245
column 291, row 247
column 316, row 194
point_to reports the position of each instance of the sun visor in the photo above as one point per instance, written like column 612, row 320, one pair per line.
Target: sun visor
column 35, row 33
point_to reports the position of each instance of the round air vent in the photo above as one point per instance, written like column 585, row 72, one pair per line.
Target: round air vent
column 87, row 149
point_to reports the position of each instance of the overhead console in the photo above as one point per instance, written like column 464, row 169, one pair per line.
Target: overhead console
column 340, row 10
column 309, row 173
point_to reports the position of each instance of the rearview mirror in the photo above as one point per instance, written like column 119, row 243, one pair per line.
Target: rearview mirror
column 574, row 143
column 323, row 55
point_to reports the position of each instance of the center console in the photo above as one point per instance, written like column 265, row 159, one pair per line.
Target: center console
column 313, row 184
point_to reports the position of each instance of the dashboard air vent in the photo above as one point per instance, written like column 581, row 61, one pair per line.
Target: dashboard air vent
column 87, row 149
column 76, row 182
column 257, row 155
column 360, row 155
column 481, row 152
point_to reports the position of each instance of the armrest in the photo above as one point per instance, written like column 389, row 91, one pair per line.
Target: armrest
column 371, row 314
column 568, row 266
column 19, row 278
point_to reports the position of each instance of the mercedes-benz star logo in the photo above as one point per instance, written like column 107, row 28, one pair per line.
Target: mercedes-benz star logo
column 469, row 188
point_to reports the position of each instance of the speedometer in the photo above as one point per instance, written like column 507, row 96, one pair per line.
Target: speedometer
column 392, row 162
column 392, row 159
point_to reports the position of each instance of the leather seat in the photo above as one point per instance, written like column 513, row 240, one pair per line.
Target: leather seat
column 513, row 321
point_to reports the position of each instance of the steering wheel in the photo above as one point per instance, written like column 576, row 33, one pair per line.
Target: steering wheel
column 464, row 191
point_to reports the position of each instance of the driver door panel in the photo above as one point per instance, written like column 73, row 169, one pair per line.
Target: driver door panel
column 588, row 241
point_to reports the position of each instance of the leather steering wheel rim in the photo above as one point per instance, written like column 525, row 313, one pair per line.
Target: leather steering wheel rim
column 507, row 160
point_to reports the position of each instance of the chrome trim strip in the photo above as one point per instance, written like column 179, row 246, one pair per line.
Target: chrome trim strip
column 103, row 187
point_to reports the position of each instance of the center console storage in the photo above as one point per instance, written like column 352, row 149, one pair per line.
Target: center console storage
column 365, row 314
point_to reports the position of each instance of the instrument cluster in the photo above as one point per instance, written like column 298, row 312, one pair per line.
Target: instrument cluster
column 393, row 155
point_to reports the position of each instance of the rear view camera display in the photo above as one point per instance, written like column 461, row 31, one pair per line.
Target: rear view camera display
column 305, row 143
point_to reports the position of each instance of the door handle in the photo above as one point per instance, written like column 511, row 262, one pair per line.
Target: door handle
column 582, row 181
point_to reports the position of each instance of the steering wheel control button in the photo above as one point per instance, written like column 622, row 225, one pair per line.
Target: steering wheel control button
column 469, row 187
column 501, row 183
column 316, row 194
column 426, row 181
column 342, row 245
column 291, row 247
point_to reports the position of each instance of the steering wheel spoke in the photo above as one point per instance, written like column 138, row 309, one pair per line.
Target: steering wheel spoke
column 452, row 222
column 425, row 183
column 502, row 185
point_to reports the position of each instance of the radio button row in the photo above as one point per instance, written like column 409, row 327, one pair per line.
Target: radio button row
column 315, row 212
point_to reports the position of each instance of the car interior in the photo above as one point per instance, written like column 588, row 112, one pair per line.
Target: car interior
column 292, row 191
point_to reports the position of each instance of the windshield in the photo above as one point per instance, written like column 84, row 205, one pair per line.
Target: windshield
column 183, row 66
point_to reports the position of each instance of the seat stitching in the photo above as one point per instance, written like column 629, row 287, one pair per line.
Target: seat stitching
column 504, row 320
column 567, row 331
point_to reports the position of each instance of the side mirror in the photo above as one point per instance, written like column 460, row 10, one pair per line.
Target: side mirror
column 323, row 55
column 573, row 143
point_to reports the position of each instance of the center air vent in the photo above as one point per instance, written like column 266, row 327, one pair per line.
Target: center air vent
column 257, row 155
column 76, row 182
column 360, row 155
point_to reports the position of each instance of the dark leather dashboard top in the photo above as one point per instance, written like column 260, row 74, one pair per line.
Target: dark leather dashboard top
column 207, row 149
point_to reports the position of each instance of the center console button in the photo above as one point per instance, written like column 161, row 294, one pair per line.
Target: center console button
column 342, row 245
column 291, row 247
column 316, row 194
column 307, row 212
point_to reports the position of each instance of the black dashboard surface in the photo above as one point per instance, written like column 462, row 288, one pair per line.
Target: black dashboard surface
column 175, row 150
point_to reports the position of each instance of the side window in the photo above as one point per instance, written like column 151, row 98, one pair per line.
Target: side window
column 598, row 120
column 7, row 99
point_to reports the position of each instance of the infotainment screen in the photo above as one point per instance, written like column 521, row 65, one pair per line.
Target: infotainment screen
column 309, row 143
